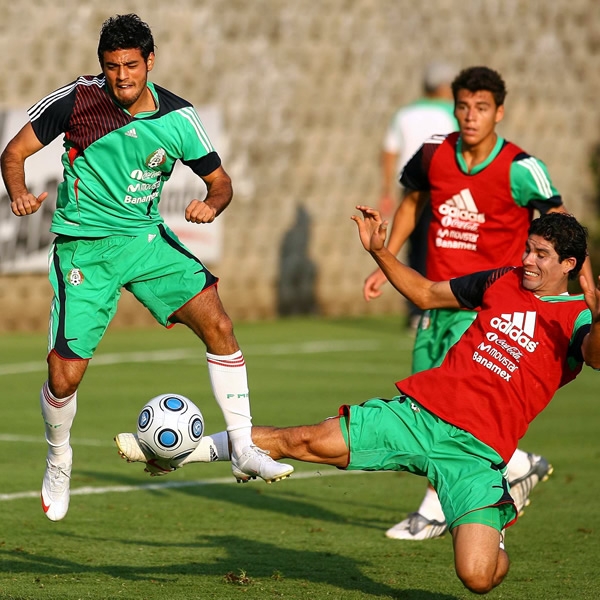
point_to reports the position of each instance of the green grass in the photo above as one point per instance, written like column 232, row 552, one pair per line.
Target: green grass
column 316, row 535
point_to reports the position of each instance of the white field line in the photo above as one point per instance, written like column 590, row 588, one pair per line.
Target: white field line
column 167, row 485
column 40, row 439
column 316, row 347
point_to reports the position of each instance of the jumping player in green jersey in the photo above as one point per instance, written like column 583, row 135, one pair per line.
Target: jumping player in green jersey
column 529, row 334
column 122, row 138
column 483, row 191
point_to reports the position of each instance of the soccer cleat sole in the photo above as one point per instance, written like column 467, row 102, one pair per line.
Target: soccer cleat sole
column 127, row 449
column 130, row 451
column 542, row 480
column 271, row 480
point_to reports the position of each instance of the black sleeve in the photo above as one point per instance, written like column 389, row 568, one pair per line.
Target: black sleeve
column 414, row 176
column 469, row 289
column 575, row 350
column 50, row 116
column 544, row 206
column 205, row 165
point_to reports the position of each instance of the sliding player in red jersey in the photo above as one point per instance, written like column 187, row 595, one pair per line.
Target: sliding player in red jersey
column 458, row 424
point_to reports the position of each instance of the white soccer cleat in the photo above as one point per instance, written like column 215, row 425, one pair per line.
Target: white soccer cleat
column 255, row 462
column 130, row 449
column 55, row 487
column 416, row 527
column 521, row 487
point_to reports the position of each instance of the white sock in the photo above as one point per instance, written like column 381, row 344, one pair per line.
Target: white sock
column 518, row 465
column 230, row 386
column 211, row 448
column 58, row 414
column 430, row 506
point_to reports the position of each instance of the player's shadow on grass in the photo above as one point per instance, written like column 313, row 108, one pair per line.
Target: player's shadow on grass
column 260, row 562
column 288, row 502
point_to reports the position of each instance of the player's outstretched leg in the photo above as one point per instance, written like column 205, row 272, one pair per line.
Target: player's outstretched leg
column 256, row 462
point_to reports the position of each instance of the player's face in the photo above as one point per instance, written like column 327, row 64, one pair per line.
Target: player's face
column 126, row 74
column 477, row 115
column 544, row 273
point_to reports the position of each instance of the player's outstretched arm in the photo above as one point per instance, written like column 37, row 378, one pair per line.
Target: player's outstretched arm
column 591, row 342
column 21, row 147
column 420, row 291
column 403, row 224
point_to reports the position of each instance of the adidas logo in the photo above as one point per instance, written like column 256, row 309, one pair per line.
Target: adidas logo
column 131, row 133
column 462, row 206
column 519, row 327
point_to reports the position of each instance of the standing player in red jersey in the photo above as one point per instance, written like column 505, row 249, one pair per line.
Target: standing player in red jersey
column 483, row 191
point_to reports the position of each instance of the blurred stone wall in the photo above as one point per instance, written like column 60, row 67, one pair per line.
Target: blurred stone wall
column 306, row 90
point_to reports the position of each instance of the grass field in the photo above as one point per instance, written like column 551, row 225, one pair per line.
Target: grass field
column 320, row 534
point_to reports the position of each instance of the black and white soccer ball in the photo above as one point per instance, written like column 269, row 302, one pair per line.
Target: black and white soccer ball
column 170, row 426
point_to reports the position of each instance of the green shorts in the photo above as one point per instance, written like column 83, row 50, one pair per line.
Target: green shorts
column 401, row 435
column 87, row 275
column 438, row 331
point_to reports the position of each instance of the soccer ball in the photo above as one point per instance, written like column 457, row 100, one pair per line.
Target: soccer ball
column 170, row 427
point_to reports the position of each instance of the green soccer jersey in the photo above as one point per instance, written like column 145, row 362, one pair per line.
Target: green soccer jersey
column 115, row 164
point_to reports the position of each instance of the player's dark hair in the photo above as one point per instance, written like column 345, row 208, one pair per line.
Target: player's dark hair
column 566, row 234
column 478, row 79
column 123, row 32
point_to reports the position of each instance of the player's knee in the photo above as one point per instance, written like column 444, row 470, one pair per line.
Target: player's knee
column 224, row 325
column 478, row 581
column 64, row 376
column 219, row 330
column 61, row 386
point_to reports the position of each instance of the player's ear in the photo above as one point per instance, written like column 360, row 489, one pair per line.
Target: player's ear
column 499, row 113
column 150, row 61
column 569, row 264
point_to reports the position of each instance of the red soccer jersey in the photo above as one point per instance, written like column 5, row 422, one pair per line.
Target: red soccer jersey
column 506, row 367
column 476, row 224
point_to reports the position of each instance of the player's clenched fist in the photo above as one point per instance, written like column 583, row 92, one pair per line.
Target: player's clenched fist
column 200, row 212
column 27, row 204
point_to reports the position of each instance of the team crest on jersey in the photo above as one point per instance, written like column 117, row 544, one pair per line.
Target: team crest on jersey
column 157, row 158
column 75, row 277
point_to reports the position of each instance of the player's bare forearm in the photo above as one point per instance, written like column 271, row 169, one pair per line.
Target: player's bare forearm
column 218, row 197
column 22, row 201
column 412, row 285
column 12, row 162
column 219, row 190
column 421, row 291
